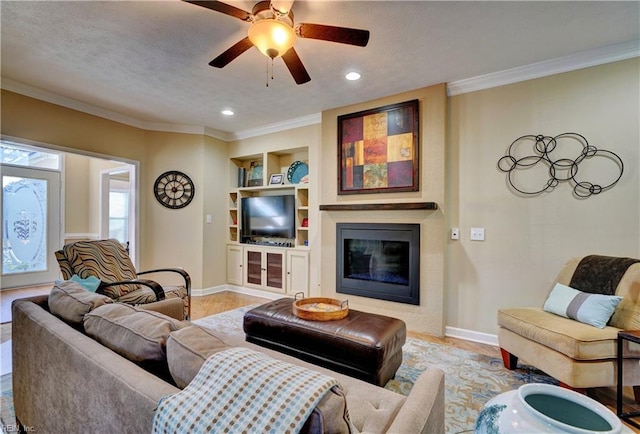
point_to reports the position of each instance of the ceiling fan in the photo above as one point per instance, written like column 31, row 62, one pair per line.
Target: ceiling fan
column 273, row 32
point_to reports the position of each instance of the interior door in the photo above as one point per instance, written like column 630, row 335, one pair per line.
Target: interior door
column 30, row 225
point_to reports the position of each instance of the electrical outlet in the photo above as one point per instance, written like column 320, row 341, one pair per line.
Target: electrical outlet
column 477, row 234
column 208, row 218
column 455, row 233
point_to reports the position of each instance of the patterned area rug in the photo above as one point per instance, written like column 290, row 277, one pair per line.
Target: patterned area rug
column 7, row 419
column 470, row 379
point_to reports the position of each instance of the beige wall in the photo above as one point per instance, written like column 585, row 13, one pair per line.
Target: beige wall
column 167, row 237
column 428, row 316
column 214, row 195
column 77, row 205
column 529, row 238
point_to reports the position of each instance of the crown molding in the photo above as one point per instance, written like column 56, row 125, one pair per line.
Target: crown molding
column 303, row 121
column 585, row 59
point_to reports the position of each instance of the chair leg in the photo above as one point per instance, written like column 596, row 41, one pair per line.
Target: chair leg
column 636, row 393
column 509, row 360
column 581, row 390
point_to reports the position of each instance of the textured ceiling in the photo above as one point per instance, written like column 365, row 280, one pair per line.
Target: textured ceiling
column 148, row 60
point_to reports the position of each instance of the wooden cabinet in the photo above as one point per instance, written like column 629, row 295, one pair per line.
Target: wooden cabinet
column 235, row 259
column 298, row 272
column 264, row 268
column 272, row 269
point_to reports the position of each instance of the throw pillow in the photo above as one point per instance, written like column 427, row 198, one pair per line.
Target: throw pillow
column 592, row 309
column 71, row 302
column 136, row 334
column 91, row 283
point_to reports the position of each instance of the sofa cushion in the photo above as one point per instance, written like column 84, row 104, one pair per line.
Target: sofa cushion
column 592, row 309
column 71, row 302
column 137, row 334
column 574, row 339
column 187, row 350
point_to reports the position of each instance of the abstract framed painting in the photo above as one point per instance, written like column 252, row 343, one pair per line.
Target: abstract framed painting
column 378, row 150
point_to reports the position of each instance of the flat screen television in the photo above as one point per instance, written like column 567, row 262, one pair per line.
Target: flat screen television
column 267, row 217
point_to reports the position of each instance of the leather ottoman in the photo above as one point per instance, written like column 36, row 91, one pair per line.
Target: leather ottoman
column 363, row 345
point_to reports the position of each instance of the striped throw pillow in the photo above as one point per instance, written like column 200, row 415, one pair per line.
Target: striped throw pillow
column 592, row 309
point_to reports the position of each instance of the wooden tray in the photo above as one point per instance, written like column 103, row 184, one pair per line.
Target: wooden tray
column 320, row 308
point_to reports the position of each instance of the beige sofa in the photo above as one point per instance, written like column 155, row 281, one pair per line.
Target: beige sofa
column 66, row 381
column 578, row 355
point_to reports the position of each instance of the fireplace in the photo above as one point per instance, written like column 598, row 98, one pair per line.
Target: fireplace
column 379, row 261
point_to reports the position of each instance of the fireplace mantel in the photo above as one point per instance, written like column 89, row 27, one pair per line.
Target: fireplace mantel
column 380, row 206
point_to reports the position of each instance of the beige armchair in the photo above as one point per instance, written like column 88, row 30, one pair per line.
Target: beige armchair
column 579, row 355
column 109, row 261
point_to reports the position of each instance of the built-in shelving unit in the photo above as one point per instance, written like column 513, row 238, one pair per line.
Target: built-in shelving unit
column 265, row 165
column 272, row 268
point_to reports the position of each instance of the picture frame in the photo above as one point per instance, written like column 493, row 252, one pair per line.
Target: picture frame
column 276, row 179
column 378, row 150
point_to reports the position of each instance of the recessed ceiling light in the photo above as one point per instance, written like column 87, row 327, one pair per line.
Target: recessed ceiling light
column 352, row 76
column 227, row 112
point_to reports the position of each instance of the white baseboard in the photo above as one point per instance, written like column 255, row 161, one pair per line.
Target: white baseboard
column 238, row 289
column 470, row 335
column 454, row 332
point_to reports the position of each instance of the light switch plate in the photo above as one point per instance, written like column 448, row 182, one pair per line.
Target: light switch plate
column 477, row 234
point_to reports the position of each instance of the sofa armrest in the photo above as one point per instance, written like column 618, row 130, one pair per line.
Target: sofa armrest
column 64, row 381
column 423, row 411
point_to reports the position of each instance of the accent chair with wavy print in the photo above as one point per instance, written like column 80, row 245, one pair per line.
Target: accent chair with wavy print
column 109, row 261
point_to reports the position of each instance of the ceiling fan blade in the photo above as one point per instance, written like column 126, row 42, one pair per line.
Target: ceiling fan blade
column 237, row 49
column 224, row 8
column 295, row 66
column 343, row 35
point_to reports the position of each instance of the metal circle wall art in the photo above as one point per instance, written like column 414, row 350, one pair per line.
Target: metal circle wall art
column 558, row 167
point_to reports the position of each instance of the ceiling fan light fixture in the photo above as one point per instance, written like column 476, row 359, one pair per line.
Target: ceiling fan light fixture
column 282, row 6
column 272, row 37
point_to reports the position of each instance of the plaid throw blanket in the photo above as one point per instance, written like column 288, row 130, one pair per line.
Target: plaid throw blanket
column 243, row 391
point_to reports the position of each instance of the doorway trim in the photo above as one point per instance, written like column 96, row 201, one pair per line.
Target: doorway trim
column 68, row 150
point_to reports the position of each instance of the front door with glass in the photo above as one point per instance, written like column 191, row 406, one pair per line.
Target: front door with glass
column 30, row 225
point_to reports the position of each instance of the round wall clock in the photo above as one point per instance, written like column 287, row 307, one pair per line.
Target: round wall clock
column 174, row 189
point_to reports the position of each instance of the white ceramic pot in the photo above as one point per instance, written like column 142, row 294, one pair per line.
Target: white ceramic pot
column 544, row 408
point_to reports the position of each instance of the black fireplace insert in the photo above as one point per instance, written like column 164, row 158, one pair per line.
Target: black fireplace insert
column 379, row 260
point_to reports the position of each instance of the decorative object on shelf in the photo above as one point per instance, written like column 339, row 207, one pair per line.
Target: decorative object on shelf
column 378, row 150
column 297, row 171
column 276, row 179
column 545, row 408
column 174, row 189
column 305, row 222
column 242, row 176
column 255, row 174
column 561, row 168
column 319, row 308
